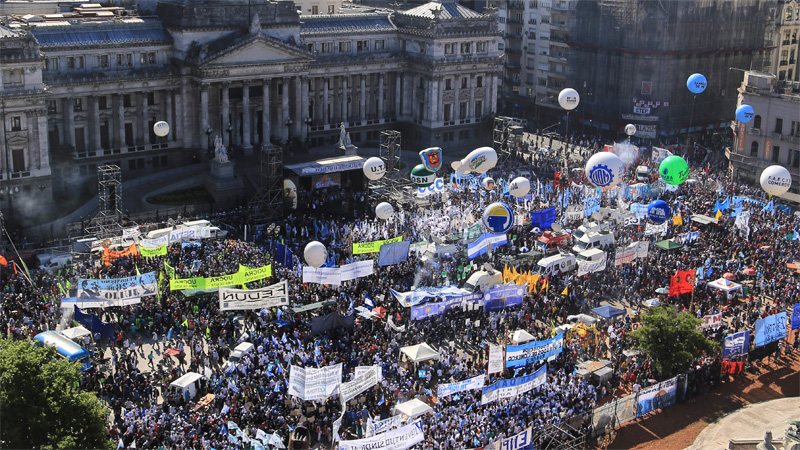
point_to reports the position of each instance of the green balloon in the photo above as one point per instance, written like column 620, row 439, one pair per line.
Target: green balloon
column 674, row 170
column 422, row 177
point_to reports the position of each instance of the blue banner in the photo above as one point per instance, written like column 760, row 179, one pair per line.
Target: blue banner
column 93, row 323
column 393, row 253
column 531, row 352
column 481, row 245
column 510, row 388
column 435, row 308
column 504, row 296
column 543, row 219
column 284, row 256
column 736, row 345
column 796, row 317
column 770, row 329
column 118, row 288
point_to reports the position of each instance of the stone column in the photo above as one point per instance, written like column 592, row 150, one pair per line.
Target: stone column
column 168, row 95
column 265, row 124
column 69, row 122
column 493, row 87
column 345, row 95
column 433, row 97
column 380, row 97
column 398, row 99
column 363, row 106
column 300, row 107
column 226, row 114
column 304, row 110
column 120, row 134
column 180, row 123
column 284, row 109
column 143, row 132
column 456, row 101
column 30, row 125
column 246, row 138
column 325, row 105
column 42, row 147
column 409, row 96
column 471, row 105
column 204, row 124
column 95, row 123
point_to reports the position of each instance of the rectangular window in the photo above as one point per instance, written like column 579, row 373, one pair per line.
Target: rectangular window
column 18, row 159
column 103, row 61
column 480, row 81
column 480, row 47
column 448, row 84
column 151, row 58
column 448, row 111
column 78, row 104
column 380, row 44
column 151, row 98
column 362, row 46
column 546, row 19
column 464, row 82
column 345, row 47
column 796, row 159
column 52, row 106
column 51, row 64
column 126, row 100
column 70, row 62
column 449, row 49
column 327, row 47
column 315, row 10
column 131, row 164
column 311, row 47
column 102, row 102
column 776, row 153
column 331, row 9
column 478, row 108
column 779, row 125
column 466, row 48
column 16, row 123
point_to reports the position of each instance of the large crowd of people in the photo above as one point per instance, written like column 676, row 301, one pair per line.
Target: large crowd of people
column 132, row 372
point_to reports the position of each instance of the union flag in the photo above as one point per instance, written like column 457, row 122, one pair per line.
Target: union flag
column 682, row 282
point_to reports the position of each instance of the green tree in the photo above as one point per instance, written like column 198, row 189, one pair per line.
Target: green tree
column 41, row 405
column 671, row 339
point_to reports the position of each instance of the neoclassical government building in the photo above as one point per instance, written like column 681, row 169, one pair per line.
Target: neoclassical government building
column 84, row 88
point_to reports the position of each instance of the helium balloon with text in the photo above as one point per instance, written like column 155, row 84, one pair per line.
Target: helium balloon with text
column 744, row 113
column 488, row 183
column 658, row 211
column 674, row 170
column 519, row 187
column 315, row 254
column 696, row 83
column 605, row 169
column 384, row 210
column 161, row 128
column 776, row 180
column 630, row 129
column 421, row 176
column 498, row 218
column 569, row 99
column 431, row 158
column 374, row 168
column 480, row 160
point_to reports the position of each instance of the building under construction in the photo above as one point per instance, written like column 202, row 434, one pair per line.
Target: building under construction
column 629, row 60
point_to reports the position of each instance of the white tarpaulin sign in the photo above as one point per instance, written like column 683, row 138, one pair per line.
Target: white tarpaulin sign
column 357, row 270
column 268, row 297
column 314, row 384
column 461, row 386
column 574, row 212
column 186, row 233
column 659, row 154
column 361, row 369
column 651, row 229
column 510, row 388
column 628, row 254
column 515, row 442
column 351, row 389
column 113, row 290
column 711, row 321
column 100, row 303
column 496, row 362
column 335, row 275
column 152, row 244
column 585, row 267
column 399, row 439
column 385, row 425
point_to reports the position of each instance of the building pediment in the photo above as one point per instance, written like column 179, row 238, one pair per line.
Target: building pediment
column 258, row 49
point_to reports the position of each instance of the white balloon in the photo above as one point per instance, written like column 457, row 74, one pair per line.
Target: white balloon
column 384, row 210
column 161, row 128
column 488, row 183
column 519, row 187
column 605, row 169
column 315, row 254
column 480, row 160
column 569, row 99
column 630, row 129
column 776, row 180
column 374, row 168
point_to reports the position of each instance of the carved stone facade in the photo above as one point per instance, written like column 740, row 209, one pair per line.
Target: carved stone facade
column 252, row 74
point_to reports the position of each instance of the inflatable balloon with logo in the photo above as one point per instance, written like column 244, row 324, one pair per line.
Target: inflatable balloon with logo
column 488, row 183
column 315, row 254
column 374, row 168
column 161, row 128
column 630, row 129
column 605, row 169
column 498, row 218
column 422, row 177
column 384, row 210
column 480, row 160
column 744, row 113
column 674, row 170
column 776, row 180
column 696, row 83
column 569, row 99
column 519, row 187
column 658, row 211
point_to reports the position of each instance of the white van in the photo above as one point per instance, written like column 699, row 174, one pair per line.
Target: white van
column 589, row 227
column 602, row 239
column 187, row 383
column 643, row 173
column 591, row 255
column 483, row 280
column 561, row 263
column 237, row 354
column 53, row 263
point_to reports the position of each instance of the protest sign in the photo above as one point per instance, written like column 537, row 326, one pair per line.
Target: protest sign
column 268, row 297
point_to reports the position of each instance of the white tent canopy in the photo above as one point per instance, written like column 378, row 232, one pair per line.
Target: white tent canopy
column 724, row 284
column 413, row 408
column 420, row 352
column 76, row 332
column 522, row 336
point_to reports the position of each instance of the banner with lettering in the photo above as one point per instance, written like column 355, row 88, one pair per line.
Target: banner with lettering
column 531, row 352
column 362, row 382
column 770, row 329
column 516, row 442
column 461, row 386
column 398, row 439
column 510, row 388
column 736, row 345
column 314, row 384
column 656, row 396
column 151, row 252
column 233, row 279
column 372, row 247
column 116, row 289
column 504, row 296
column 248, row 275
column 110, row 255
column 585, row 267
column 495, row 359
column 243, row 299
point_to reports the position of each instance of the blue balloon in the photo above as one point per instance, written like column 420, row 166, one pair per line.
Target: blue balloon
column 696, row 83
column 744, row 113
column 658, row 211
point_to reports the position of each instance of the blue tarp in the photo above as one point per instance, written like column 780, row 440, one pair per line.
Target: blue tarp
column 393, row 253
column 608, row 312
column 93, row 323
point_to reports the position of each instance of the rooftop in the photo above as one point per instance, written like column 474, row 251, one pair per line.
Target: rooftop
column 102, row 33
column 445, row 11
column 345, row 24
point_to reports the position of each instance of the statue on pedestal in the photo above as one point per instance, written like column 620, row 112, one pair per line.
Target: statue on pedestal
column 220, row 152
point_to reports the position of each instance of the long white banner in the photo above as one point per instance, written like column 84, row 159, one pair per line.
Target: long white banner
column 496, row 363
column 116, row 289
column 585, row 267
column 399, row 439
column 510, row 388
column 185, row 233
column 335, row 275
column 385, row 425
column 628, row 254
column 515, row 442
column 315, row 384
column 268, row 297
column 152, row 244
column 361, row 383
column 461, row 386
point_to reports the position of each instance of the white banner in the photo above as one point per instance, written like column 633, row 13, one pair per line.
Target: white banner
column 659, row 154
column 186, row 233
column 655, row 229
column 585, row 267
column 711, row 321
column 435, row 188
column 360, row 383
column 461, row 386
column 152, row 244
column 314, row 384
column 510, row 388
column 268, row 297
column 335, row 275
column 515, row 442
column 362, row 369
column 628, row 254
column 399, row 439
column 385, row 425
column 496, row 361
column 100, row 303
column 645, row 131
column 574, row 212
column 116, row 289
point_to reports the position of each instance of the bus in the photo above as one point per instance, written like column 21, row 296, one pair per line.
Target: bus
column 65, row 347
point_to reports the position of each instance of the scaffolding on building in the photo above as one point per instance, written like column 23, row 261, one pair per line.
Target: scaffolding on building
column 266, row 206
column 392, row 184
column 561, row 436
column 108, row 221
column 505, row 136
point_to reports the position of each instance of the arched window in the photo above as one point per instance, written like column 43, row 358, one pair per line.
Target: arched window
column 757, row 122
column 789, row 13
column 754, row 149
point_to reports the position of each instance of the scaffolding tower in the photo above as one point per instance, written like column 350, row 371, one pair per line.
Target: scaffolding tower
column 266, row 206
column 561, row 436
column 108, row 221
column 507, row 131
column 390, row 187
